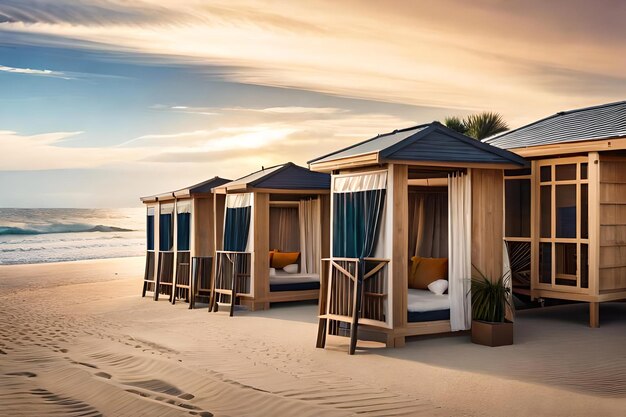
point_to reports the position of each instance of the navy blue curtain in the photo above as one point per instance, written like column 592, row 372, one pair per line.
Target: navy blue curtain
column 150, row 231
column 184, row 231
column 357, row 217
column 237, row 228
column 166, row 235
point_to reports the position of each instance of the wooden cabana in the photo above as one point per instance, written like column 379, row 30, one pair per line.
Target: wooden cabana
column 566, row 213
column 179, row 226
column 275, row 231
column 406, row 206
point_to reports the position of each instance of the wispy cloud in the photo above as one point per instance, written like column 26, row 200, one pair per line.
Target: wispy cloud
column 38, row 72
column 451, row 53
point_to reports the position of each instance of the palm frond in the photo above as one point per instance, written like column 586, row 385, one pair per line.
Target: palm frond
column 455, row 123
column 485, row 124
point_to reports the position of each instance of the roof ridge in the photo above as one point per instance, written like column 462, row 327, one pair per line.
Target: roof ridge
column 261, row 170
column 380, row 135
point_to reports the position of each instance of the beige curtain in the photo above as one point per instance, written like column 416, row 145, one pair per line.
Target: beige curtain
column 310, row 235
column 460, row 260
column 284, row 229
column 428, row 224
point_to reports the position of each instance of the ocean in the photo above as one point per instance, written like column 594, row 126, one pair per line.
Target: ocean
column 55, row 235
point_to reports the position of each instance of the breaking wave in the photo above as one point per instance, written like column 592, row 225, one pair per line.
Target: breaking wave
column 60, row 228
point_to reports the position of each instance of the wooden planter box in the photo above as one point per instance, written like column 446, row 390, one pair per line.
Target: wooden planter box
column 492, row 334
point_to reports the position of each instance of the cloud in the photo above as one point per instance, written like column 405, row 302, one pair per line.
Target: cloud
column 448, row 54
column 238, row 141
column 39, row 72
column 46, row 151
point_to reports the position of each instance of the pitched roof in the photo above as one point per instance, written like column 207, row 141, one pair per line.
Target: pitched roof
column 431, row 142
column 200, row 188
column 287, row 176
column 589, row 123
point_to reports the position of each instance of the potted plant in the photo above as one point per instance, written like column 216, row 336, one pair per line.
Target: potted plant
column 490, row 301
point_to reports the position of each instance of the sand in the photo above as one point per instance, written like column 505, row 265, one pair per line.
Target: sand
column 77, row 339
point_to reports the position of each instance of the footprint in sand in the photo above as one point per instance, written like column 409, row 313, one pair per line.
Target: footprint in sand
column 25, row 373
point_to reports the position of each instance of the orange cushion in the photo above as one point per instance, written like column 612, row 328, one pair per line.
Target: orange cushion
column 272, row 252
column 282, row 259
column 426, row 270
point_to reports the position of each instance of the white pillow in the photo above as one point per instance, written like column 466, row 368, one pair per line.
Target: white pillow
column 272, row 271
column 438, row 287
column 291, row 269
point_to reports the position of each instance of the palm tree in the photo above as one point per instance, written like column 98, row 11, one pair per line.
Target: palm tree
column 478, row 126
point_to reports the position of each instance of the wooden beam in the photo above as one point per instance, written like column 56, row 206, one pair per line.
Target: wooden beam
column 593, row 174
column 608, row 144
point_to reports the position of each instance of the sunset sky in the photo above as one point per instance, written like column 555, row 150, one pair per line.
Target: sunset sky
column 104, row 101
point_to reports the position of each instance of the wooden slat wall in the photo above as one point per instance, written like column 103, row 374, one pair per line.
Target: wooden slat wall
column 203, row 230
column 487, row 220
column 612, row 223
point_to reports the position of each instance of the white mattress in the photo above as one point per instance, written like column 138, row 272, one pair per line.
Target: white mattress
column 282, row 277
column 420, row 301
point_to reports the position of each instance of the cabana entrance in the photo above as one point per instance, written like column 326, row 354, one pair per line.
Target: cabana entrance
column 273, row 238
column 180, row 230
column 411, row 212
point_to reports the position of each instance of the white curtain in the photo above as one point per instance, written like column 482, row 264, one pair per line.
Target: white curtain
column 238, row 200
column 310, row 235
column 460, row 250
column 183, row 207
column 360, row 182
column 167, row 208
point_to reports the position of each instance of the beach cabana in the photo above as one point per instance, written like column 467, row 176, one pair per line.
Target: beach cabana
column 409, row 208
column 179, row 226
column 275, row 231
column 566, row 213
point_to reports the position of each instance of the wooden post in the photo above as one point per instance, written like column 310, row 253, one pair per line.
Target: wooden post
column 261, row 247
column 398, row 203
column 594, row 315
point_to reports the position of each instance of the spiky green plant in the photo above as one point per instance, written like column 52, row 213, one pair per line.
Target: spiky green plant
column 490, row 299
column 483, row 125
column 455, row 123
column 478, row 126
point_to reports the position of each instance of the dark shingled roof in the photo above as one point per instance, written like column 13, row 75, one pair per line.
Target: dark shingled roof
column 431, row 142
column 206, row 186
column 200, row 188
column 589, row 123
column 288, row 176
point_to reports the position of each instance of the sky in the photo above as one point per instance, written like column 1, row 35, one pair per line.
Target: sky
column 104, row 101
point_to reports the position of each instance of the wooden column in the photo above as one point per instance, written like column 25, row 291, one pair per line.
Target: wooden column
column 398, row 203
column 487, row 221
column 325, row 225
column 261, row 243
column 594, row 315
column 219, row 207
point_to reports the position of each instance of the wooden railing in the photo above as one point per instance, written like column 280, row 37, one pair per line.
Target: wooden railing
column 149, row 277
column 232, row 278
column 182, row 282
column 165, row 275
column 349, row 295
